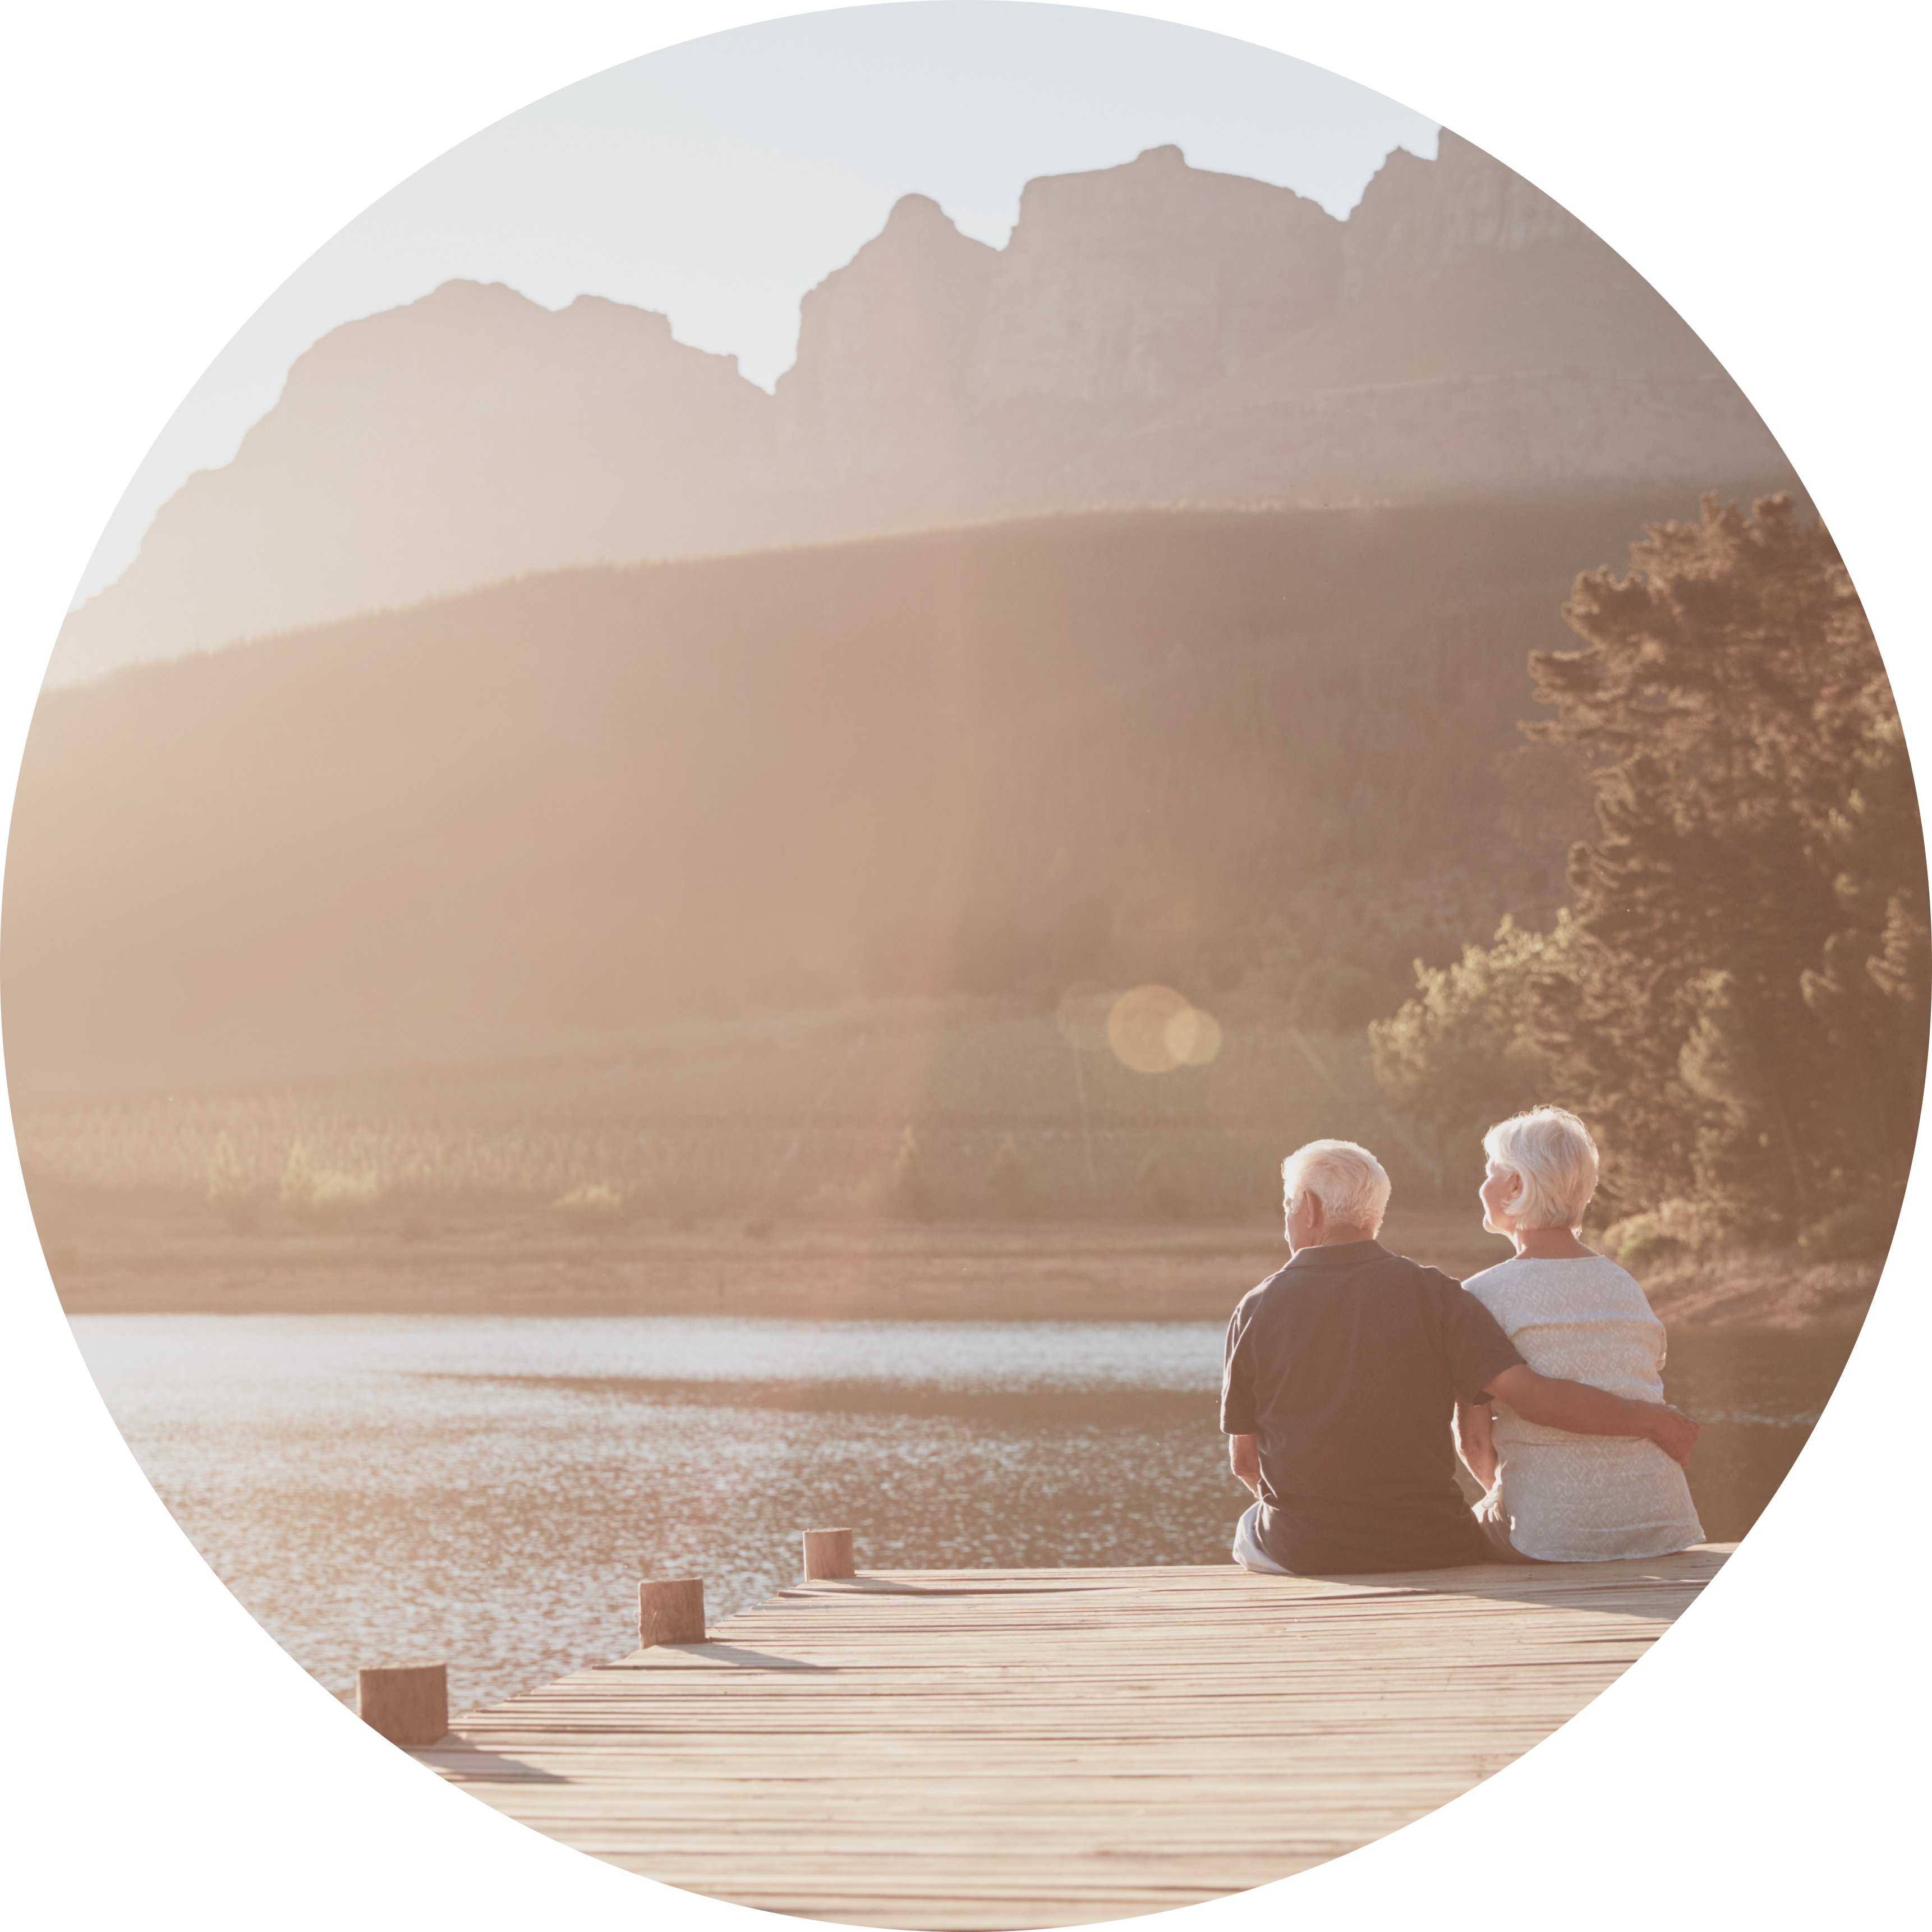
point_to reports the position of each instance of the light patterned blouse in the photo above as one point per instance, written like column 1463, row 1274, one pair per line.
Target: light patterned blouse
column 1584, row 1498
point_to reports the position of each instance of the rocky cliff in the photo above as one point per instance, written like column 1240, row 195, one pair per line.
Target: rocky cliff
column 884, row 344
column 470, row 436
column 1142, row 282
column 1150, row 334
column 1417, row 218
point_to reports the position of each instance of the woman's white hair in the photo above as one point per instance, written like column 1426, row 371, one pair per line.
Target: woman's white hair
column 1348, row 1180
column 1551, row 1152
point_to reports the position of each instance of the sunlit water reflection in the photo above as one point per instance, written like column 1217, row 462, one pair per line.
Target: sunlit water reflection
column 489, row 1490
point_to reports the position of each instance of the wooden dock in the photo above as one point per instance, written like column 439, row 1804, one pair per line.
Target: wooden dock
column 1026, row 1748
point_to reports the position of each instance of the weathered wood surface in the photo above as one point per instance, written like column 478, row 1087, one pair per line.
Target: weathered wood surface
column 1026, row 1748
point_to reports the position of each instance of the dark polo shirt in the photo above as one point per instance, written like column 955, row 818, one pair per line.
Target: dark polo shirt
column 1347, row 1364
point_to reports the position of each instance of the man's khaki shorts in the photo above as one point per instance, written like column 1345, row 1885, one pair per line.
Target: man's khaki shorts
column 1250, row 1556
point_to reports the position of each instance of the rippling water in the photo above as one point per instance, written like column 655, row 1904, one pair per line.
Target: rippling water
column 489, row 1490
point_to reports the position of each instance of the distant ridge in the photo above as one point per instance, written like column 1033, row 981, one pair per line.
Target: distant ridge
column 1152, row 333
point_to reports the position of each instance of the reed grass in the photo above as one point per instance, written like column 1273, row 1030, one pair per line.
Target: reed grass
column 799, row 1116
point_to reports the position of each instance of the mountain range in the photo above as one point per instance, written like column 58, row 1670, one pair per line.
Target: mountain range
column 1151, row 334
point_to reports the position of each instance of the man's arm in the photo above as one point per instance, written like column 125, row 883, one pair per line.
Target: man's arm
column 1584, row 1411
column 1475, row 1442
column 1244, row 1458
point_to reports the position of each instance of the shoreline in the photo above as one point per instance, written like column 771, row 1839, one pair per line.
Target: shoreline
column 966, row 1271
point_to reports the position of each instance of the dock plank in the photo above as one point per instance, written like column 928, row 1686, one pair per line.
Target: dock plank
column 993, row 1751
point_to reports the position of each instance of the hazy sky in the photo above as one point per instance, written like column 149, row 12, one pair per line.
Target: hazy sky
column 718, row 181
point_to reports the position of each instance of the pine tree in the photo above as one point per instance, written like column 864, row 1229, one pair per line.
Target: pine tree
column 1750, row 1027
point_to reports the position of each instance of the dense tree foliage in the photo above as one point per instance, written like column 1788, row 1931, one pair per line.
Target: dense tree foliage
column 1460, row 1054
column 1739, row 1003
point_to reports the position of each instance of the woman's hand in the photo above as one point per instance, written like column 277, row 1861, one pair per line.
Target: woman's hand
column 1244, row 1458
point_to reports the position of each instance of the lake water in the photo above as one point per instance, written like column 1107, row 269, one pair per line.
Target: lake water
column 489, row 1490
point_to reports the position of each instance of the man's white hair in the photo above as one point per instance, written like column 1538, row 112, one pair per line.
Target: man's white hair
column 1552, row 1152
column 1348, row 1180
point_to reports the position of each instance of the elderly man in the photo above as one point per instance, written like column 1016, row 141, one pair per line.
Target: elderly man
column 1342, row 1371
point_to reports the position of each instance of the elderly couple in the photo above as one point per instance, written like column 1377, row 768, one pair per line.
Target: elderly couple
column 1343, row 1368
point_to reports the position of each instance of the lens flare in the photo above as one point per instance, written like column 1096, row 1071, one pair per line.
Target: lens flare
column 1154, row 1029
column 1137, row 1028
column 1194, row 1037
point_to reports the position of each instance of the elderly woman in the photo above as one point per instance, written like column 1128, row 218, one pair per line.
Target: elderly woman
column 1554, row 1497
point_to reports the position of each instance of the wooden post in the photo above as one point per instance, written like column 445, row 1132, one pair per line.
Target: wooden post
column 409, row 1703
column 828, row 1553
column 671, row 1612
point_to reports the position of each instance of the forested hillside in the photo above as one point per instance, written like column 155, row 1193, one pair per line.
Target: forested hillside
column 1262, row 756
